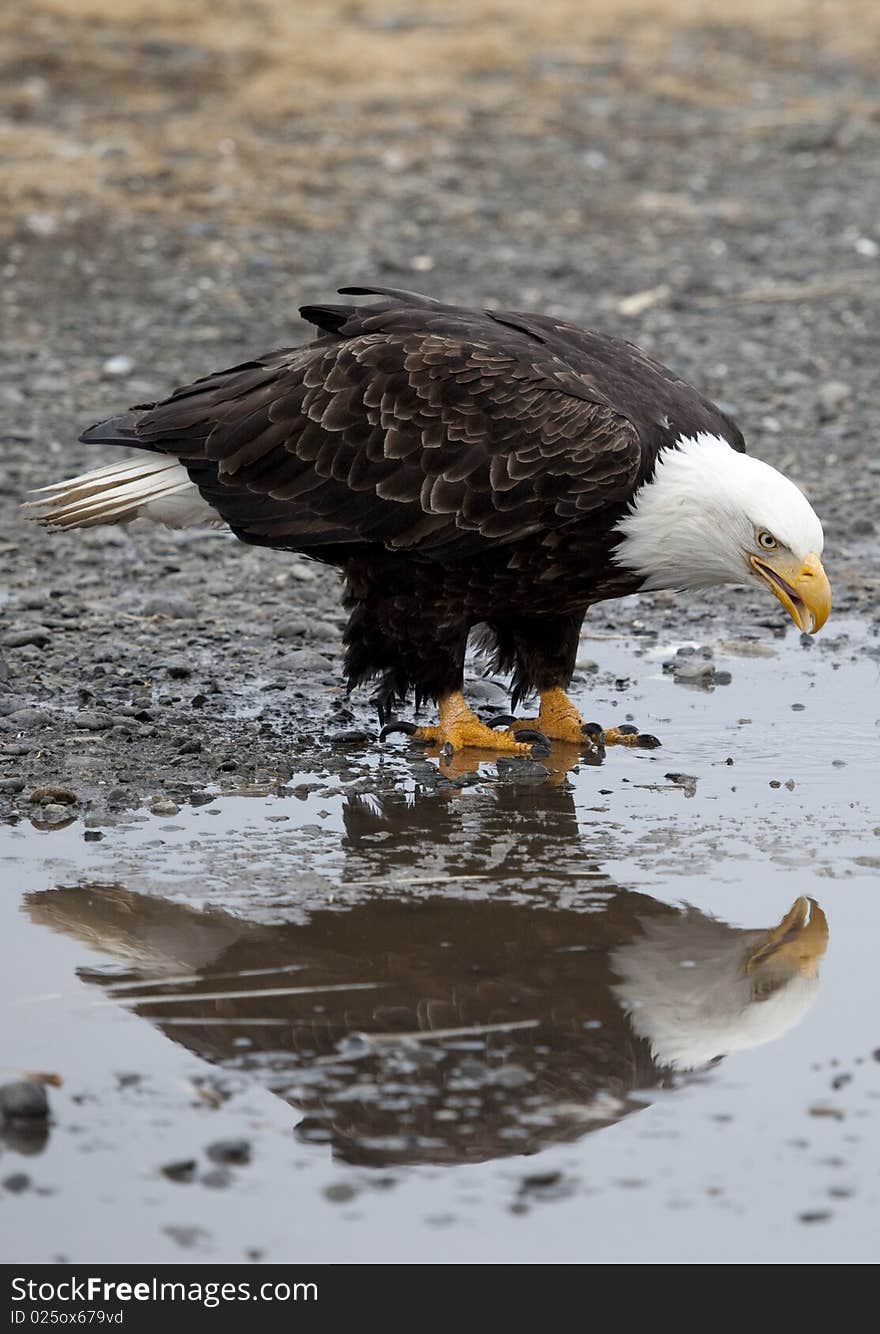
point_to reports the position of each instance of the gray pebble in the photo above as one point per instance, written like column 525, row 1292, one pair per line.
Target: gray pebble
column 35, row 634
column 830, row 398
column 183, row 1171
column 164, row 806
column 176, row 609
column 30, row 717
column 24, row 1101
column 93, row 720
column 229, row 1151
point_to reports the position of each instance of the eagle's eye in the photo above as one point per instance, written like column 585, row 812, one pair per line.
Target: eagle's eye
column 767, row 540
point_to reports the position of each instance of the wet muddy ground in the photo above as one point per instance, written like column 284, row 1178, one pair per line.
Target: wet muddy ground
column 309, row 997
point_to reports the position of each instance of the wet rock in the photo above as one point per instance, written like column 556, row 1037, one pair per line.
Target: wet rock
column 351, row 736
column 11, row 785
column 25, row 1100
column 178, row 669
column 694, row 672
column 163, row 806
column 294, row 627
column 182, row 1172
column 304, row 660
column 35, row 634
column 174, row 608
column 51, row 814
column 236, row 1151
column 93, row 720
column 340, row 1192
column 52, row 794
column 521, row 770
column 26, row 718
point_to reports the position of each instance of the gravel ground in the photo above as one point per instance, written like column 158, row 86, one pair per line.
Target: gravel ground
column 732, row 231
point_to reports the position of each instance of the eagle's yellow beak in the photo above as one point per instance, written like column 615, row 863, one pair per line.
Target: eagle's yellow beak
column 801, row 938
column 803, row 590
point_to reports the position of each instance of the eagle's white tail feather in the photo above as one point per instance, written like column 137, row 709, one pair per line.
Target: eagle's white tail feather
column 155, row 488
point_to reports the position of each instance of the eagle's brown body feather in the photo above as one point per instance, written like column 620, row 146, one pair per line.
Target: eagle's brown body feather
column 459, row 466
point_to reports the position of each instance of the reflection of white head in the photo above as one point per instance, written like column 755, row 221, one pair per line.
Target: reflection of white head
column 695, row 988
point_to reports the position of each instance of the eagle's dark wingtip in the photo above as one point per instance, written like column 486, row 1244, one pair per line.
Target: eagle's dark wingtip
column 112, row 430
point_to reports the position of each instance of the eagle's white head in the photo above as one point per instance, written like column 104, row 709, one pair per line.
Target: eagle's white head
column 711, row 515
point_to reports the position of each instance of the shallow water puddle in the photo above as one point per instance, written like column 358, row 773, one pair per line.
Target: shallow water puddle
column 478, row 1020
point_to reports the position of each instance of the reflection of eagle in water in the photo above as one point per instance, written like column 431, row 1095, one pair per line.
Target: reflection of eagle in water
column 450, row 1031
column 463, row 468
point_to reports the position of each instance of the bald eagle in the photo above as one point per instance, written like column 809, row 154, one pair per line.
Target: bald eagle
column 464, row 468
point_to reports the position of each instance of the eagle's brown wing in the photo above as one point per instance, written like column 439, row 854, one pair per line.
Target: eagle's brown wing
column 419, row 427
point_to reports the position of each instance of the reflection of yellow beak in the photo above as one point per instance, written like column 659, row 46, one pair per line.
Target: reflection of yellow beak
column 804, row 591
column 801, row 938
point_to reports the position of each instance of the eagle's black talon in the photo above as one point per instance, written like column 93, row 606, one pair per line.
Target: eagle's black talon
column 532, row 734
column 504, row 720
column 627, row 729
column 649, row 742
column 593, row 732
column 390, row 728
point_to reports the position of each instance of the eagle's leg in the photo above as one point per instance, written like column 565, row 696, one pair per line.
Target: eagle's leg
column 560, row 720
column 543, row 650
column 459, row 727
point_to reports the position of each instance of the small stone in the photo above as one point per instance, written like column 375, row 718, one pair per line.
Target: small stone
column 699, row 672
column 58, row 795
column 163, row 806
column 35, row 634
column 93, row 720
column 350, row 736
column 236, row 1151
column 176, row 609
column 24, row 1101
column 11, row 785
column 52, row 813
column 293, row 628
column 118, row 366
column 830, row 399
column 29, row 717
column 183, row 1171
column 339, row 1192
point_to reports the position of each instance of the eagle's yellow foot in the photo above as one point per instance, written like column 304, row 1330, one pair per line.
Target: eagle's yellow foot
column 559, row 720
column 459, row 727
